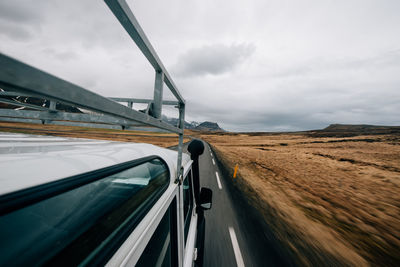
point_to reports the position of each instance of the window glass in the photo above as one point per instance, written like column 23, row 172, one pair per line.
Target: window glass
column 76, row 226
column 161, row 249
column 187, row 201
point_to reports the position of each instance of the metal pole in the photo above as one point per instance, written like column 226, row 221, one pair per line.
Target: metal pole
column 158, row 94
column 52, row 109
column 180, row 146
column 52, row 106
column 125, row 16
column 179, row 180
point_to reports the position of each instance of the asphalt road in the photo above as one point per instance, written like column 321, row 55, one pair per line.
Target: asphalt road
column 235, row 234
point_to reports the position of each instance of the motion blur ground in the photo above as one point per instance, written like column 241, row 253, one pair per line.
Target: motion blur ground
column 330, row 199
column 255, row 245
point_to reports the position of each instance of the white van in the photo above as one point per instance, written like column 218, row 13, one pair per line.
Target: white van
column 79, row 202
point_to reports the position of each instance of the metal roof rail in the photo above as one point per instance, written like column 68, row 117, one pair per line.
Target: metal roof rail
column 20, row 80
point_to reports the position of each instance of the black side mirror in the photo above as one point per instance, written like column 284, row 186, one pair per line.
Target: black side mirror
column 196, row 148
column 205, row 198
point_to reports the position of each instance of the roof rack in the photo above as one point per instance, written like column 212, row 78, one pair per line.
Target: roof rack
column 20, row 81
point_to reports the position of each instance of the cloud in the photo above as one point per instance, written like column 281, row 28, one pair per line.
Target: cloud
column 381, row 60
column 19, row 11
column 213, row 59
column 376, row 62
column 65, row 55
column 20, row 19
column 250, row 66
column 15, row 32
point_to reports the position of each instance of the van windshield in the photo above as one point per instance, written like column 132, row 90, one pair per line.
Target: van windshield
column 84, row 224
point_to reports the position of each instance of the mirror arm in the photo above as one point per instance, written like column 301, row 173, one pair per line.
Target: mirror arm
column 196, row 148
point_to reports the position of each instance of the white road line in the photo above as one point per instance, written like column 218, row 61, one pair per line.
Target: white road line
column 211, row 155
column 218, row 181
column 236, row 249
column 213, row 161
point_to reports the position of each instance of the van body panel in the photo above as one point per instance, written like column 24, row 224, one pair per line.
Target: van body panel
column 31, row 160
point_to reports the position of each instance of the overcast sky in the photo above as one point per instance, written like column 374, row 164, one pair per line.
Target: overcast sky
column 254, row 65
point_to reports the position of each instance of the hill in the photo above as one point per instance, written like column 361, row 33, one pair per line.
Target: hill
column 194, row 125
column 348, row 130
column 175, row 122
column 359, row 128
column 209, row 127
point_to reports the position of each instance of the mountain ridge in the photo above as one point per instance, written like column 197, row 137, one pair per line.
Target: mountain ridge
column 209, row 126
column 349, row 130
column 194, row 125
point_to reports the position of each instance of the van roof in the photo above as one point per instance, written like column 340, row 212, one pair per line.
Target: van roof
column 30, row 160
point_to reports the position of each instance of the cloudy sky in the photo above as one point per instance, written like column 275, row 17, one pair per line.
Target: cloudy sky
column 254, row 65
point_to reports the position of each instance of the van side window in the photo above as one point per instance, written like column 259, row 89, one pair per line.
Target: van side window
column 187, row 201
column 86, row 224
column 162, row 247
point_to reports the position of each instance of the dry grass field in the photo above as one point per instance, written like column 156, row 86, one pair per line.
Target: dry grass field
column 332, row 196
column 159, row 139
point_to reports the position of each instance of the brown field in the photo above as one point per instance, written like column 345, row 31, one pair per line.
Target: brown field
column 327, row 198
column 159, row 139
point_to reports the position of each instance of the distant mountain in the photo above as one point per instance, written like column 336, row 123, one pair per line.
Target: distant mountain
column 174, row 122
column 209, row 126
column 359, row 128
column 347, row 130
column 194, row 125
